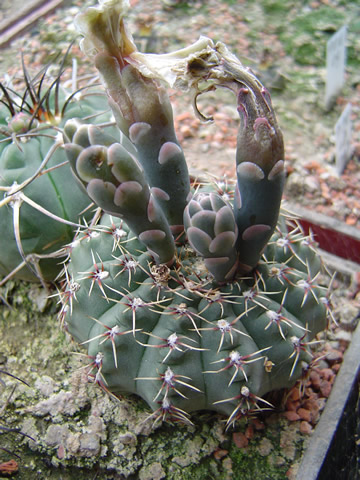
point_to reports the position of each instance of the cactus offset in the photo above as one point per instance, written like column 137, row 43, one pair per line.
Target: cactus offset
column 40, row 202
column 211, row 319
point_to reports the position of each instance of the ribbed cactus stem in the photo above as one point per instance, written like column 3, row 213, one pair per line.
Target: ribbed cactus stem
column 115, row 181
column 212, row 232
column 142, row 110
column 260, row 174
column 259, row 157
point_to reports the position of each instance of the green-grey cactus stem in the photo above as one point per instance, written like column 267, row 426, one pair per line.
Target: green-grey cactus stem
column 140, row 104
column 260, row 172
column 212, row 232
column 115, row 181
column 143, row 111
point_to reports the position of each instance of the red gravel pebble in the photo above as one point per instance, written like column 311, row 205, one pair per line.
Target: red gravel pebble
column 240, row 439
column 258, row 424
column 292, row 416
column 292, row 406
column 305, row 427
column 312, row 405
column 335, row 368
column 249, row 432
column 9, row 468
column 220, row 453
column 304, row 414
column 61, row 452
column 315, row 379
column 325, row 388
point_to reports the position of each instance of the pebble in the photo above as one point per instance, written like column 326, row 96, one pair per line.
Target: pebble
column 312, row 184
column 291, row 415
column 258, row 424
column 348, row 315
column 265, row 447
column 249, row 432
column 240, row 439
column 305, row 428
column 327, row 374
column 315, row 379
column 305, row 414
column 312, row 405
column 334, row 356
column 220, row 453
column 325, row 388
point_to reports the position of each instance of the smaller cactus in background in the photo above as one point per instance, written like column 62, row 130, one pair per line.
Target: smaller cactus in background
column 180, row 297
column 40, row 202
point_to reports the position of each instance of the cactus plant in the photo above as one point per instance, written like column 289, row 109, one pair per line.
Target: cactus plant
column 40, row 204
column 213, row 318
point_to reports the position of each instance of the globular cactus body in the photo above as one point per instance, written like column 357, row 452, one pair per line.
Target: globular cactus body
column 178, row 339
column 35, row 179
column 205, row 315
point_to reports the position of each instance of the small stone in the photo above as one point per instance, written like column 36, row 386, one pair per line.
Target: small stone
column 343, row 336
column 325, row 388
column 335, row 368
column 292, row 416
column 279, row 460
column 249, row 432
column 295, row 394
column 240, row 440
column 186, row 131
column 334, row 356
column 227, row 466
column 305, row 414
column 265, row 447
column 295, row 185
column 45, row 385
column 305, row 428
column 220, row 453
column 291, row 474
column 39, row 297
column 312, row 405
column 315, row 379
column 128, row 438
column 89, row 445
column 312, row 184
column 291, row 405
column 56, row 435
column 60, row 452
column 258, row 424
column 73, row 443
column 348, row 315
column 327, row 374
column 58, row 403
column 152, row 472
column 96, row 425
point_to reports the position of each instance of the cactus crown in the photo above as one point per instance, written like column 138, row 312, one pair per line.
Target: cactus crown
column 178, row 294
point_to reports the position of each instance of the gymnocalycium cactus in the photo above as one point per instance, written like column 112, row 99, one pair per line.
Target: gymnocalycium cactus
column 210, row 318
column 40, row 201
